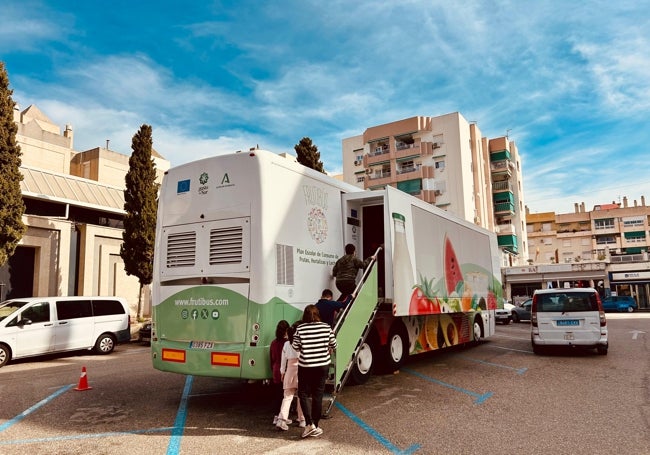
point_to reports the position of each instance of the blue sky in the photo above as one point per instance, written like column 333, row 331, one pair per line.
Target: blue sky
column 568, row 80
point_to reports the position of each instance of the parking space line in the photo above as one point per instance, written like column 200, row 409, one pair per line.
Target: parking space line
column 479, row 398
column 511, row 349
column 179, row 424
column 372, row 432
column 43, row 402
column 84, row 436
column 498, row 365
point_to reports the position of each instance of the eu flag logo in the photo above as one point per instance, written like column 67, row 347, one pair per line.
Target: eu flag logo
column 183, row 186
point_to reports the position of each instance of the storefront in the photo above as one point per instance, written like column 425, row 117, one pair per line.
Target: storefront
column 520, row 282
column 631, row 282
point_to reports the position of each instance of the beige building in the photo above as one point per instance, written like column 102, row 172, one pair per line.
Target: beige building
column 447, row 162
column 74, row 211
column 606, row 247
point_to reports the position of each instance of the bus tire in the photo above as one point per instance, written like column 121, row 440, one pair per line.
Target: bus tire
column 478, row 329
column 397, row 347
column 364, row 364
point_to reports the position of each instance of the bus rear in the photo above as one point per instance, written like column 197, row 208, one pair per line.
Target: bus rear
column 243, row 241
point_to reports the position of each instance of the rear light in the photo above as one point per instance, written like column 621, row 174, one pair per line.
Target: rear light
column 601, row 312
column 533, row 312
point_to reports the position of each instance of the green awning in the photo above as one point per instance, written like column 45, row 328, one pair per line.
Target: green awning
column 410, row 186
column 634, row 235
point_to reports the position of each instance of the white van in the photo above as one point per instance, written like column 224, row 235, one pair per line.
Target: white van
column 568, row 317
column 43, row 325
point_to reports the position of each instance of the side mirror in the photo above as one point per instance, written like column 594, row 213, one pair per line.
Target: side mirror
column 24, row 322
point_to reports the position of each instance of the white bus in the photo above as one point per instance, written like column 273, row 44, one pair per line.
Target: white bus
column 247, row 239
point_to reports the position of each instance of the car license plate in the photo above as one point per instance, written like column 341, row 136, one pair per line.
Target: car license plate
column 568, row 322
column 201, row 345
column 568, row 336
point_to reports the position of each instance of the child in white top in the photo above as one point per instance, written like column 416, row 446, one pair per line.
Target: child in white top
column 289, row 372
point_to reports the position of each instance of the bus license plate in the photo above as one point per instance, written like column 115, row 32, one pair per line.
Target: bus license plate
column 565, row 322
column 201, row 344
column 568, row 336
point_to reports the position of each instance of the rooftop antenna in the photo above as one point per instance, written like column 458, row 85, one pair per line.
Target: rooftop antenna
column 107, row 141
column 508, row 133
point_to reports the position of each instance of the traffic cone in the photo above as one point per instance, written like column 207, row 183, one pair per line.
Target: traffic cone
column 83, row 381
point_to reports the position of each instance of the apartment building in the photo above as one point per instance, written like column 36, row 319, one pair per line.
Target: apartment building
column 447, row 162
column 74, row 210
column 606, row 247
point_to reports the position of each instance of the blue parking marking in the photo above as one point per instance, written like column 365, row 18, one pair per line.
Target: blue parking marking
column 83, row 436
column 27, row 412
column 372, row 432
column 478, row 398
column 179, row 424
column 498, row 365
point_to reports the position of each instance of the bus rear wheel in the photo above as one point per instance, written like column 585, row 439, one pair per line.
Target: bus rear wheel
column 397, row 347
column 365, row 361
column 478, row 330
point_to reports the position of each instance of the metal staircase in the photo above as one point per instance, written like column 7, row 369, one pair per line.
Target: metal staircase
column 351, row 329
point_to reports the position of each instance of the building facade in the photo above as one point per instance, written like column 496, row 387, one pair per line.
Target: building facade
column 606, row 248
column 447, row 162
column 74, row 210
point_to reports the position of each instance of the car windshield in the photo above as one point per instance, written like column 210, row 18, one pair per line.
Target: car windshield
column 564, row 302
column 9, row 307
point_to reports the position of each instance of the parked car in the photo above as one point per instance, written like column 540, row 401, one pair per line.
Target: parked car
column 522, row 312
column 144, row 334
column 620, row 303
column 568, row 317
column 43, row 325
column 504, row 315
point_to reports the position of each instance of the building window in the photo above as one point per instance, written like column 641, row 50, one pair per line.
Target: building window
column 606, row 240
column 604, row 223
column 633, row 221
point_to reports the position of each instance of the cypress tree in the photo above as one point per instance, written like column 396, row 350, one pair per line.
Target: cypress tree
column 308, row 154
column 12, row 206
column 140, row 205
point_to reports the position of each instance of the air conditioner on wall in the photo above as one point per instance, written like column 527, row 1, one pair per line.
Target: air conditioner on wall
column 436, row 145
column 356, row 163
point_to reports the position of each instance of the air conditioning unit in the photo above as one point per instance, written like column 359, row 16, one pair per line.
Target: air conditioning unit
column 368, row 171
column 436, row 145
column 437, row 192
column 357, row 163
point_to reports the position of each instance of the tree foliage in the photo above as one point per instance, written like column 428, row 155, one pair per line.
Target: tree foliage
column 140, row 205
column 12, row 206
column 308, row 154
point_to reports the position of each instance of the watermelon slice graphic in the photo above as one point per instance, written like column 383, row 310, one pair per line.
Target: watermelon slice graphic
column 453, row 274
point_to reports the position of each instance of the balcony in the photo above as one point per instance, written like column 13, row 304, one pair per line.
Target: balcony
column 406, row 150
column 379, row 178
column 502, row 185
column 409, row 173
column 378, row 155
column 503, row 229
column 503, row 167
column 508, row 243
column 501, row 208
